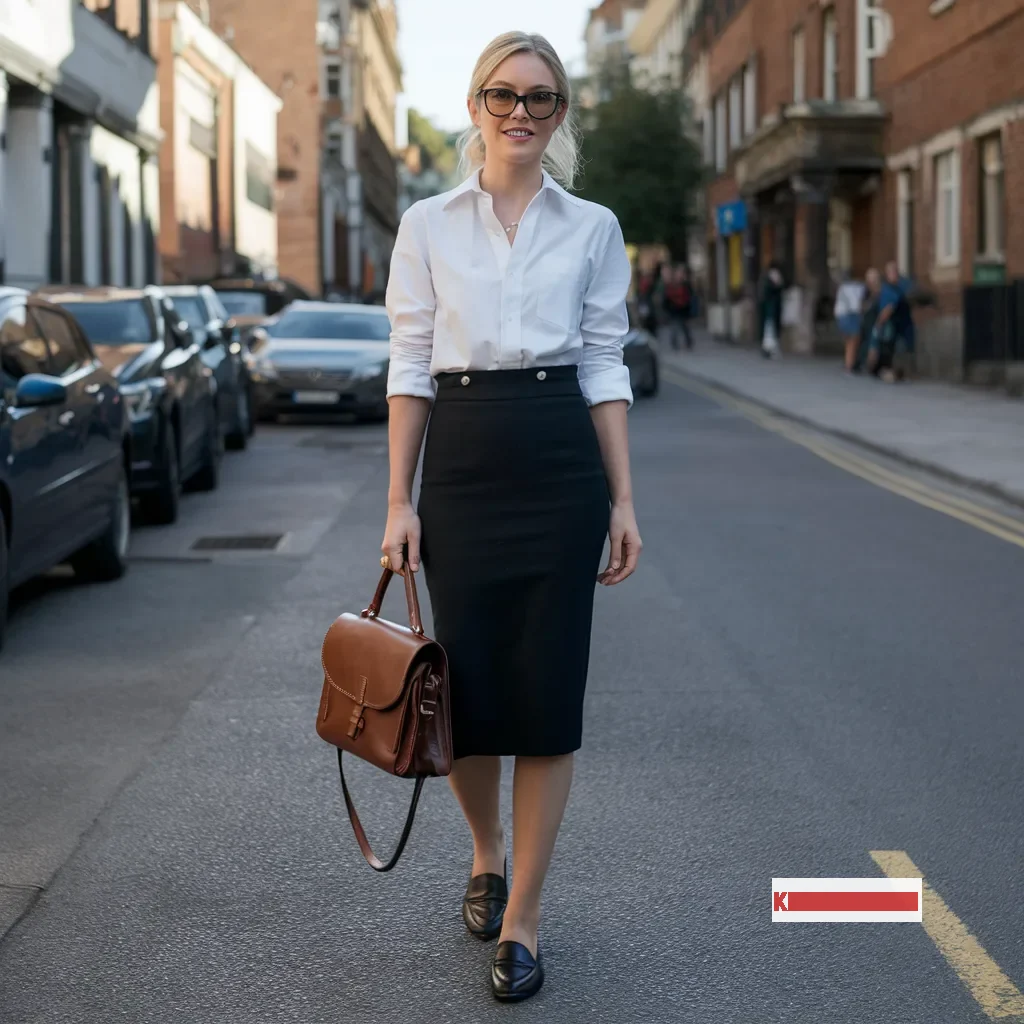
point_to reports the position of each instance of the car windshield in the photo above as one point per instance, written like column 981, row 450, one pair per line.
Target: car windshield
column 330, row 325
column 122, row 322
column 244, row 303
column 190, row 309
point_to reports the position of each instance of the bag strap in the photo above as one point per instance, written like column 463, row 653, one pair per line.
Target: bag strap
column 411, row 598
column 357, row 826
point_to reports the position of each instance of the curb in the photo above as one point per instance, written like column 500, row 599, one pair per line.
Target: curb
column 982, row 486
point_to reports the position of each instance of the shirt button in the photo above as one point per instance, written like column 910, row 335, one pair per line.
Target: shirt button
column 465, row 381
column 541, row 375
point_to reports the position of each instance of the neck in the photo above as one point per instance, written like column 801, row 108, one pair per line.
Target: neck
column 511, row 181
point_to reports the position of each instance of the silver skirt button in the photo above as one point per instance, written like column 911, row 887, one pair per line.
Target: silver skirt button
column 465, row 381
column 542, row 375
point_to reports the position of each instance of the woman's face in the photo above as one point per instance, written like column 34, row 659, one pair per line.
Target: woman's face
column 510, row 133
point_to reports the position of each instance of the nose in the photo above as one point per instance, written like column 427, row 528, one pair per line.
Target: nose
column 520, row 106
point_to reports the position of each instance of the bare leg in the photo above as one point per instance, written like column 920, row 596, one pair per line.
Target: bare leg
column 540, row 793
column 476, row 782
column 851, row 350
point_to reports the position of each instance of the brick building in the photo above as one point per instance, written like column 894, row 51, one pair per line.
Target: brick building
column 842, row 134
column 282, row 50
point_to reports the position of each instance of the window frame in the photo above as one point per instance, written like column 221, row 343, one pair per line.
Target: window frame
column 721, row 136
column 950, row 159
column 905, row 201
column 829, row 55
column 750, row 97
column 798, row 58
column 735, row 112
column 991, row 220
column 332, row 75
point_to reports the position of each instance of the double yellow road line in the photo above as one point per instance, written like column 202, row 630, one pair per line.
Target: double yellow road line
column 975, row 514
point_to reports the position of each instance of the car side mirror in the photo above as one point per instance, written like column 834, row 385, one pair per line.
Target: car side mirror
column 36, row 390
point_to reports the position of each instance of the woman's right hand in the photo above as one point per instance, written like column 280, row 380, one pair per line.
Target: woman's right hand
column 402, row 529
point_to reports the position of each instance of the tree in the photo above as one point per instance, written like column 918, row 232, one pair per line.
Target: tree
column 641, row 161
column 437, row 147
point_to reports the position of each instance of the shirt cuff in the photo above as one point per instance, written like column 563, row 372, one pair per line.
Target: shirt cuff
column 406, row 379
column 611, row 385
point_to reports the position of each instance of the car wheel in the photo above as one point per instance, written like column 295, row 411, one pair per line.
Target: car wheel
column 208, row 477
column 239, row 436
column 106, row 558
column 3, row 578
column 161, row 506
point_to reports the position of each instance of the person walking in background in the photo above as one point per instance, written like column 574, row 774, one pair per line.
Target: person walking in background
column 677, row 302
column 515, row 356
column 772, row 286
column 848, row 310
column 893, row 336
column 869, row 317
column 651, row 292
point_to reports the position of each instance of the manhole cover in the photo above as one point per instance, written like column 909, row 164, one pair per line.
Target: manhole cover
column 240, row 542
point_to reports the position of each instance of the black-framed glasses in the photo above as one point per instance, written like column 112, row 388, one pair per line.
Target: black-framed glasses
column 539, row 105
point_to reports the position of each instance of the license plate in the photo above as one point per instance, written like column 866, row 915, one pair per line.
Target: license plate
column 316, row 397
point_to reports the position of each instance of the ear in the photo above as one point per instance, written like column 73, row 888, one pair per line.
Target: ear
column 563, row 110
column 474, row 110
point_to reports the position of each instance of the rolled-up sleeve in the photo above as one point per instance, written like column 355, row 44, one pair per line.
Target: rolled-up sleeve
column 603, row 377
column 410, row 303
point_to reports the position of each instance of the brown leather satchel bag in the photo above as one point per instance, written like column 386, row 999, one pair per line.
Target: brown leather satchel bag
column 385, row 699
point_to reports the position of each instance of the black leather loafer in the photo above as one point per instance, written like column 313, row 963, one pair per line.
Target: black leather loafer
column 515, row 975
column 483, row 907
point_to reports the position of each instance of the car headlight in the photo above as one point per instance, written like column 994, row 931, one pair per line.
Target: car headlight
column 261, row 368
column 140, row 397
column 370, row 371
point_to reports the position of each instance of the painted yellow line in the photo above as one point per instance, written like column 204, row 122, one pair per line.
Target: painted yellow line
column 966, row 511
column 991, row 988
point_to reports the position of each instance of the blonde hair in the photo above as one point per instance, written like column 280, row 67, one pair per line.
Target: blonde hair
column 562, row 157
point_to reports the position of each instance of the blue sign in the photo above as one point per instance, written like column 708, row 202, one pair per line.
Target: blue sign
column 732, row 218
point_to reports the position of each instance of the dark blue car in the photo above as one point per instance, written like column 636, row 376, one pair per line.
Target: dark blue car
column 65, row 452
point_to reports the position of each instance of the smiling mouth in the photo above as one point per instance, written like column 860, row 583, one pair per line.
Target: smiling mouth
column 518, row 133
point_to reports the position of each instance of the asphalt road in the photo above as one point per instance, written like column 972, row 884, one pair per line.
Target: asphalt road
column 807, row 668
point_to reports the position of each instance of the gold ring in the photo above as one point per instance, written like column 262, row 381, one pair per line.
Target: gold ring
column 385, row 562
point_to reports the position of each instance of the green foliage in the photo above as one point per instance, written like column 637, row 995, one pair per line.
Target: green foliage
column 437, row 147
column 641, row 161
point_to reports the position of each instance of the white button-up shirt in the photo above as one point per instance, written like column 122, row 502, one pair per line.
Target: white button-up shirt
column 461, row 298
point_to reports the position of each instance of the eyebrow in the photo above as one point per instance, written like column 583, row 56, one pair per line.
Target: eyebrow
column 533, row 88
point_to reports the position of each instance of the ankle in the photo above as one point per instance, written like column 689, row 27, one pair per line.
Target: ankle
column 489, row 854
column 522, row 929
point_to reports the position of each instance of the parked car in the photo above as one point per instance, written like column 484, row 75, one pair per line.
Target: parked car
column 252, row 301
column 640, row 354
column 322, row 357
column 219, row 342
column 64, row 450
column 169, row 391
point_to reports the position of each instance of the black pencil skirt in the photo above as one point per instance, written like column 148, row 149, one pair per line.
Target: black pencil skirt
column 514, row 506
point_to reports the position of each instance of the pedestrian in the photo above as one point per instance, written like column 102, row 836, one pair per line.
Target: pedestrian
column 515, row 354
column 677, row 302
column 893, row 337
column 772, row 286
column 848, row 309
column 869, row 317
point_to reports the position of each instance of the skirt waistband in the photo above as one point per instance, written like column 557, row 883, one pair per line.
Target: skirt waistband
column 536, row 382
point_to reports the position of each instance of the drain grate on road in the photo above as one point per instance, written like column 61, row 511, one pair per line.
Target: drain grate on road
column 240, row 542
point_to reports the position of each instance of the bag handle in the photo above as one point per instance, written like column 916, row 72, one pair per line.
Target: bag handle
column 411, row 598
column 357, row 826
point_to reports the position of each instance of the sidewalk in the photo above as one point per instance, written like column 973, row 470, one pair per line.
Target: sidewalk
column 971, row 436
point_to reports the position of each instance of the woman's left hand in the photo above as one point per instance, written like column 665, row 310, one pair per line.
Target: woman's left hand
column 624, row 539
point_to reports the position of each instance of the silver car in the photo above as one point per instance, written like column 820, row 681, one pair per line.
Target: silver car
column 321, row 357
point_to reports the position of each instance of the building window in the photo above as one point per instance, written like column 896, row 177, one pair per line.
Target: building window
column 799, row 66
column 830, row 57
column 709, row 138
column 905, row 222
column 750, row 98
column 332, row 79
column 947, row 209
column 990, row 198
column 259, row 178
column 332, row 148
column 202, row 137
column 735, row 113
column 721, row 139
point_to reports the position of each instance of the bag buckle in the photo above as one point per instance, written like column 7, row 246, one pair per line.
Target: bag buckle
column 428, row 700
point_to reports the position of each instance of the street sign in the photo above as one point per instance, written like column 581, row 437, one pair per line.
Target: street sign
column 731, row 218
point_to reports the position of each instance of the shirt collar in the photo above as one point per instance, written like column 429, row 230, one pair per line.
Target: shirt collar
column 472, row 184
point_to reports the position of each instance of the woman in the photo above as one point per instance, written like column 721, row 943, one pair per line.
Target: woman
column 848, row 308
column 507, row 300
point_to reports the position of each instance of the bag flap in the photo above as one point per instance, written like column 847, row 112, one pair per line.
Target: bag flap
column 369, row 659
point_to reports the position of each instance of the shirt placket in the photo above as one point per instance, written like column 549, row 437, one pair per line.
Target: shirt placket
column 510, row 356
